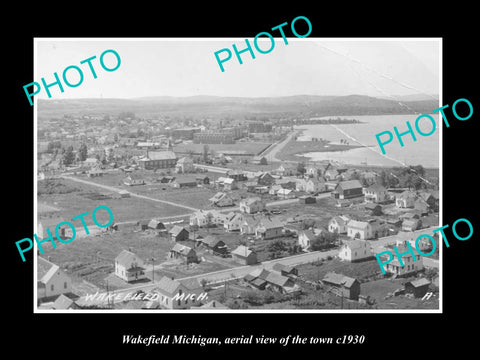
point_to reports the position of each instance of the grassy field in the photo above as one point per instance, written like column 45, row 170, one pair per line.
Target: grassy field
column 241, row 148
column 81, row 199
column 293, row 149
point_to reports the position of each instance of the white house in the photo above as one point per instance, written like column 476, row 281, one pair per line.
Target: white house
column 184, row 165
column 409, row 265
column 375, row 193
column 338, row 224
column 305, row 238
column 301, row 185
column 355, row 250
column 178, row 294
column 129, row 266
column 313, row 185
column 406, row 199
column 251, row 205
column 359, row 230
column 51, row 280
column 234, row 222
column 285, row 194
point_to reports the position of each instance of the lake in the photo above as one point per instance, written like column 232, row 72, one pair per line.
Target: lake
column 425, row 151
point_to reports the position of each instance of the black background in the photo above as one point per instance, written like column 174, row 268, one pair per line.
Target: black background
column 386, row 334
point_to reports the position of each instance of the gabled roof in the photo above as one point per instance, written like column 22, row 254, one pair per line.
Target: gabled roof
column 308, row 234
column 407, row 195
column 168, row 286
column 356, row 244
column 358, row 224
column 184, row 160
column 45, row 270
column 160, row 155
column 63, row 302
column 175, row 230
column 338, row 279
column 270, row 223
column 182, row 249
column 349, row 184
column 126, row 258
column 419, row 282
column 281, row 267
column 341, row 220
column 242, row 251
column 251, row 200
column 212, row 241
column 277, row 279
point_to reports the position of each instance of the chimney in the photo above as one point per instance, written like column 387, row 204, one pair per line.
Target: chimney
column 213, row 304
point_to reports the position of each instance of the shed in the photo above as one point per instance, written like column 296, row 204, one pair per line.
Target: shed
column 417, row 287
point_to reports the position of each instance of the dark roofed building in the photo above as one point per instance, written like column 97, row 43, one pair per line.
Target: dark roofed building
column 348, row 189
column 178, row 233
column 417, row 287
column 343, row 285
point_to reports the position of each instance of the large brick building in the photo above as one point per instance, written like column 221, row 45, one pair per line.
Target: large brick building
column 158, row 160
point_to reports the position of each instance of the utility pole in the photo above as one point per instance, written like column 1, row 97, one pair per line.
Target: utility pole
column 153, row 271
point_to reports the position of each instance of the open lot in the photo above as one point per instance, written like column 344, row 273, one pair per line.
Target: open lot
column 240, row 148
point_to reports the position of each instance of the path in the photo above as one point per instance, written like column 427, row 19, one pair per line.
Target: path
column 273, row 150
column 114, row 189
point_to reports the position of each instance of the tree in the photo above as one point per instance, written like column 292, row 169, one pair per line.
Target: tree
column 68, row 156
column 110, row 156
column 205, row 153
column 82, row 152
column 301, row 168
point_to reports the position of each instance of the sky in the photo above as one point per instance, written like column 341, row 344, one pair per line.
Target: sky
column 186, row 67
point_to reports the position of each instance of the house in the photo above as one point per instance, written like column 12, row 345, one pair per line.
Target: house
column 183, row 182
column 259, row 160
column 250, row 186
column 360, row 230
column 348, row 189
column 342, row 285
column 184, row 165
column 178, row 233
column 244, row 255
column 215, row 245
column 287, row 170
column 311, row 171
column 306, row 199
column 251, row 205
column 51, row 280
column 124, row 194
column 170, row 293
column 64, row 303
column 355, row 250
column 221, row 199
column 134, row 179
column 331, row 174
column 374, row 208
column 237, row 175
column 274, row 189
column 411, row 224
column 227, row 183
column 158, row 160
column 156, row 225
column 234, row 222
column 375, row 193
column 314, row 185
column 265, row 179
column 187, row 254
column 248, row 225
column 409, row 265
column 142, row 225
column 417, row 287
column 406, row 199
column 269, row 228
column 421, row 206
column 285, row 270
column 330, row 185
column 338, row 224
column 281, row 284
column 94, row 172
column 166, row 179
column 301, row 184
column 431, row 198
column 305, row 238
column 286, row 183
column 257, row 278
column 129, row 267
column 91, row 162
column 286, row 194
column 202, row 180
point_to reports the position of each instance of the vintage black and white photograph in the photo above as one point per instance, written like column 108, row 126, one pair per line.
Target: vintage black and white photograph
column 211, row 175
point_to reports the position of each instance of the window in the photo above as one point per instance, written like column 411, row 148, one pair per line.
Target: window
column 65, row 285
column 51, row 287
